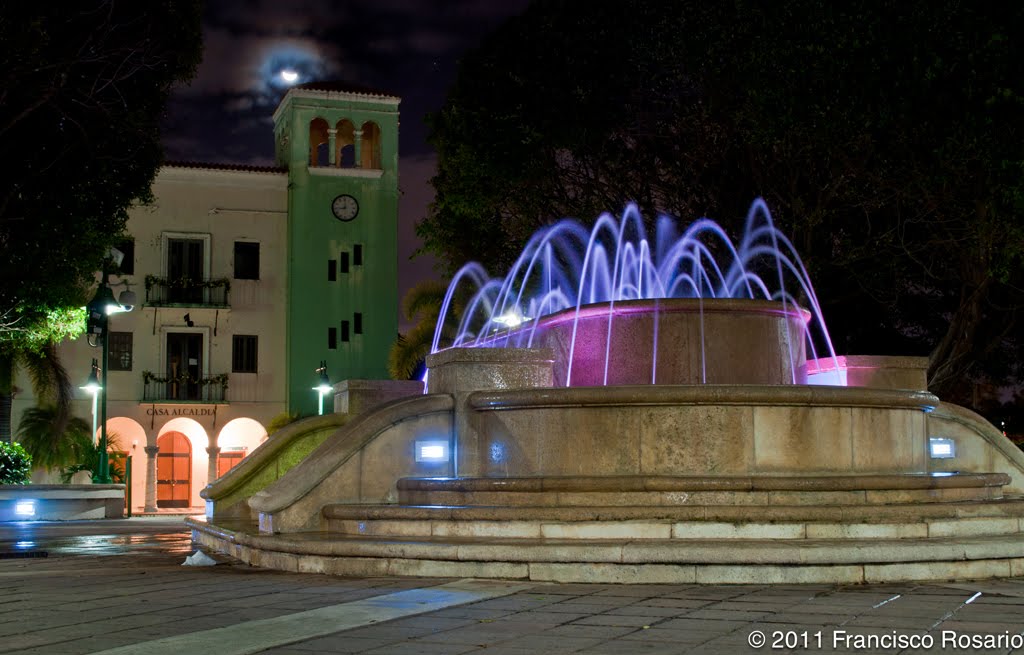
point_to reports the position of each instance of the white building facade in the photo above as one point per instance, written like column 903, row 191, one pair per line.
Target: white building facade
column 196, row 370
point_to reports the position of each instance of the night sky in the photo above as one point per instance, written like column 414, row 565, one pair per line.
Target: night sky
column 409, row 48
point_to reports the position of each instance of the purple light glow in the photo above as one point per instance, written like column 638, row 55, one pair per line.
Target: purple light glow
column 568, row 267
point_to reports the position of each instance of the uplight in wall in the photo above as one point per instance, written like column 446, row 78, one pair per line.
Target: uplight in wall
column 25, row 508
column 511, row 319
column 432, row 451
column 941, row 448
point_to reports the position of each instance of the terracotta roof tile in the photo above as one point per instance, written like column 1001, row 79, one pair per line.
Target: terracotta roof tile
column 245, row 168
column 344, row 87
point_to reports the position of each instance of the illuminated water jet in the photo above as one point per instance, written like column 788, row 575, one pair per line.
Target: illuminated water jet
column 611, row 276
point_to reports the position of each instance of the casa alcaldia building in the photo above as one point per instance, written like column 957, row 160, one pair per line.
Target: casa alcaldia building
column 247, row 279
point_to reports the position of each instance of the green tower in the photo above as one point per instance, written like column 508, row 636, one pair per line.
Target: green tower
column 339, row 143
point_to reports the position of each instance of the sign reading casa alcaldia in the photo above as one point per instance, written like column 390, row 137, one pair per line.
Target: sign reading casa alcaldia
column 181, row 411
column 202, row 413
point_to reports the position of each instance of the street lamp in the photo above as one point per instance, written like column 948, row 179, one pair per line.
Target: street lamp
column 98, row 311
column 324, row 387
column 92, row 385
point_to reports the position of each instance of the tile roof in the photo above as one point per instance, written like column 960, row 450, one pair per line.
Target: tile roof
column 245, row 168
column 344, row 87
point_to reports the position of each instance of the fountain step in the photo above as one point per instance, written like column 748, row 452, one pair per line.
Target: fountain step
column 763, row 490
column 646, row 561
column 686, row 522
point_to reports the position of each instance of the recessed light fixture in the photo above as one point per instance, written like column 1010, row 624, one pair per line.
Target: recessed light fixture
column 941, row 448
column 432, row 451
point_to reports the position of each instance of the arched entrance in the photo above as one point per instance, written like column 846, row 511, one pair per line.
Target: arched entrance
column 130, row 438
column 237, row 439
column 173, row 470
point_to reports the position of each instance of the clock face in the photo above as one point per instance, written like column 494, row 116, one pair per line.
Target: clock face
column 345, row 207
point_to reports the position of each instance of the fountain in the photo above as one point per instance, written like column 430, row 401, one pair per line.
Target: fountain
column 603, row 299
column 631, row 410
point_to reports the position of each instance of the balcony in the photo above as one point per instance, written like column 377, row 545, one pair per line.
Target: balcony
column 184, row 388
column 187, row 292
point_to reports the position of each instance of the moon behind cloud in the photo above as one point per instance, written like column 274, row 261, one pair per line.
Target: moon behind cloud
column 285, row 64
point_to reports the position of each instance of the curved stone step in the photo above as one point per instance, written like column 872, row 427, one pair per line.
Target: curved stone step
column 624, row 560
column 685, row 522
column 763, row 490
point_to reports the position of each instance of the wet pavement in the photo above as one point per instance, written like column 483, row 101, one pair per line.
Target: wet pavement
column 119, row 588
column 159, row 535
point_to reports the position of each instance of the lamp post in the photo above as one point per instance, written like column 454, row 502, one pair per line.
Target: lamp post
column 92, row 385
column 324, row 387
column 98, row 311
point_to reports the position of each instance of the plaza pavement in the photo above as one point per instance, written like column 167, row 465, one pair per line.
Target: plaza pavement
column 118, row 587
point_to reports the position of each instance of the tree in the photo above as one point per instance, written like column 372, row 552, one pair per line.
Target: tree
column 885, row 137
column 82, row 92
column 53, row 440
column 89, row 459
column 421, row 303
column 15, row 464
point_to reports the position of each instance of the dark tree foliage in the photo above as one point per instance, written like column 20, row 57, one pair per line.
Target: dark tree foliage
column 82, row 91
column 83, row 87
column 886, row 136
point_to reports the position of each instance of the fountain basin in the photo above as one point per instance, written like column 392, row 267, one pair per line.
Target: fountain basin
column 671, row 341
column 694, row 430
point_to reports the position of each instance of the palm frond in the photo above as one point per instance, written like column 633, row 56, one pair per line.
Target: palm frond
column 49, row 446
column 426, row 297
column 50, row 382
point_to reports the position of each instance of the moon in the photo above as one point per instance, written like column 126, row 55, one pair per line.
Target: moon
column 290, row 76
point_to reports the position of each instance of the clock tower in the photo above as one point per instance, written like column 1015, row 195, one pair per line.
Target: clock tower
column 339, row 142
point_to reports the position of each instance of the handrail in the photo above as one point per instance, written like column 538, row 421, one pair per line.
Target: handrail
column 267, row 453
column 981, row 427
column 344, row 444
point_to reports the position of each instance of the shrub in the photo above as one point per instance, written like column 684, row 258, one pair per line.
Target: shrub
column 281, row 420
column 15, row 464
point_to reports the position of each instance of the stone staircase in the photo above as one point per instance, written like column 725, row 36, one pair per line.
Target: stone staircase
column 748, row 529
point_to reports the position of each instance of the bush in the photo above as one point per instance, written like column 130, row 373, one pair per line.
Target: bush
column 15, row 463
column 281, row 420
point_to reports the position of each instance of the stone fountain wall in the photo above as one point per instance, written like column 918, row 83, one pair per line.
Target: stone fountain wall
column 671, row 341
column 649, row 430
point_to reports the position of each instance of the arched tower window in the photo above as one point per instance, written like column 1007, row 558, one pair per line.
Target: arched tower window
column 345, row 144
column 370, row 150
column 318, row 148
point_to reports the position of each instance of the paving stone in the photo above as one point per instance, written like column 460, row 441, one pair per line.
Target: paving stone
column 338, row 644
column 88, row 603
column 423, row 648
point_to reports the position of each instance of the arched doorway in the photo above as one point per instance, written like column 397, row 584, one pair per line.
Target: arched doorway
column 127, row 436
column 237, row 439
column 173, row 470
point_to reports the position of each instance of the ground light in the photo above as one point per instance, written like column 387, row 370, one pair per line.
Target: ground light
column 324, row 387
column 98, row 313
column 432, row 451
column 941, row 448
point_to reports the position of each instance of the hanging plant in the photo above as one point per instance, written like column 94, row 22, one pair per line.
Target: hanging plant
column 187, row 283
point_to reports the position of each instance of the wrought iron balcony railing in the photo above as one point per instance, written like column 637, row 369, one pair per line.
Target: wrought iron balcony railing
column 187, row 292
column 184, row 388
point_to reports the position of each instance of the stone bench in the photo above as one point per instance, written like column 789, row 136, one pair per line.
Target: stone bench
column 61, row 502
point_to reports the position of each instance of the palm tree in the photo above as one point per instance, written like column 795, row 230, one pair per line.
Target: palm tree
column 49, row 378
column 90, row 459
column 421, row 303
column 54, row 441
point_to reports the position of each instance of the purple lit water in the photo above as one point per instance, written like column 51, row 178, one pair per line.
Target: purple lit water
column 567, row 266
